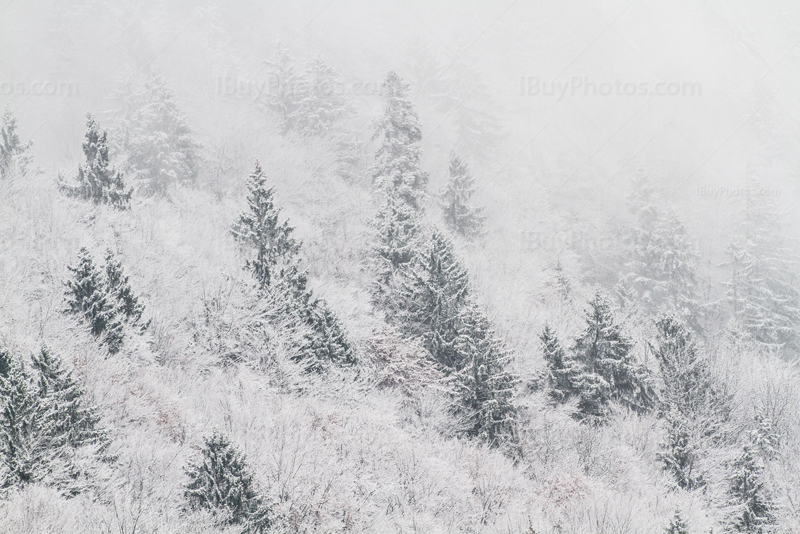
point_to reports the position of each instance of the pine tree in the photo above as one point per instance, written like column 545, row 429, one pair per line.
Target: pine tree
column 259, row 228
column 762, row 290
column 433, row 294
column 459, row 216
column 282, row 97
column 221, row 483
column 88, row 297
column 610, row 373
column 397, row 171
column 484, row 389
column 320, row 102
column 5, row 362
column 326, row 341
column 677, row 525
column 24, row 430
column 158, row 142
column 118, row 286
column 562, row 370
column 14, row 154
column 753, row 509
column 397, row 240
column 97, row 181
column 659, row 270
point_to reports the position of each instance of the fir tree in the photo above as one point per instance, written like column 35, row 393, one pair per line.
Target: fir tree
column 397, row 240
column 259, row 228
column 431, row 298
column 89, row 298
column 484, row 389
column 753, row 509
column 282, row 97
column 459, row 216
column 320, row 102
column 222, row 484
column 609, row 371
column 24, row 428
column 397, row 170
column 97, row 180
column 326, row 341
column 118, row 286
column 158, row 142
column 5, row 362
column 14, row 154
column 680, row 453
column 762, row 289
column 562, row 370
column 677, row 525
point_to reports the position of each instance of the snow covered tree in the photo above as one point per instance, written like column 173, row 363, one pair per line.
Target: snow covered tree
column 762, row 290
column 677, row 525
column 24, row 428
column 320, row 101
column 562, row 370
column 14, row 154
column 88, row 297
column 282, row 96
column 326, row 341
column 484, row 389
column 97, row 180
column 432, row 295
column 5, row 362
column 753, row 510
column 157, row 140
column 118, row 286
column 659, row 261
column 259, row 228
column 459, row 215
column 609, row 371
column 398, row 237
column 222, row 484
column 397, row 171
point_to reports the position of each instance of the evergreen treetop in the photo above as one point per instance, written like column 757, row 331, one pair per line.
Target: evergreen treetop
column 14, row 154
column 458, row 214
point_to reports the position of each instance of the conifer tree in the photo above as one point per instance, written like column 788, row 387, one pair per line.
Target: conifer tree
column 459, row 215
column 326, row 341
column 157, row 140
column 97, row 180
column 14, row 154
column 397, row 240
column 562, row 370
column 222, row 484
column 282, row 97
column 118, row 286
column 484, row 389
column 24, row 428
column 610, row 373
column 89, row 298
column 762, row 290
column 397, row 171
column 431, row 298
column 753, row 510
column 259, row 228
column 5, row 362
column 677, row 525
column 320, row 101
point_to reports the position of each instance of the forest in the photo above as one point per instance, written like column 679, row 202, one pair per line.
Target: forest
column 335, row 266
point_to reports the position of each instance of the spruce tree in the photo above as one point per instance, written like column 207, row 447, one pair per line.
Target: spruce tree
column 222, row 484
column 5, row 362
column 89, row 298
column 118, row 286
column 282, row 96
column 433, row 294
column 157, row 140
column 97, row 180
column 326, row 342
column 14, row 154
column 753, row 510
column 320, row 102
column 459, row 215
column 762, row 289
column 25, row 432
column 562, row 370
column 610, row 373
column 677, row 525
column 484, row 389
column 259, row 228
column 397, row 171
